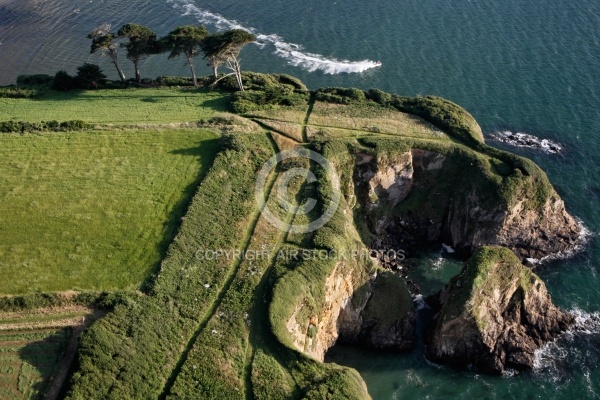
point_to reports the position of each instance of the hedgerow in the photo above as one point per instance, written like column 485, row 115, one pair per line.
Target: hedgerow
column 43, row 126
column 102, row 300
column 17, row 92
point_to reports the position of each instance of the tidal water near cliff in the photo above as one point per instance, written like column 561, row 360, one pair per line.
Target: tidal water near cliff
column 517, row 65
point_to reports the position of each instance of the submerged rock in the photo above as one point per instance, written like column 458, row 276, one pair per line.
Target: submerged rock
column 494, row 315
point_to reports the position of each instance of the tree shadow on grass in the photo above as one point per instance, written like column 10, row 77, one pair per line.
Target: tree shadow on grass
column 207, row 151
column 217, row 104
column 45, row 356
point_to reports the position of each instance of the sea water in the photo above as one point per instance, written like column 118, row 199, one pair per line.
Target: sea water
column 526, row 66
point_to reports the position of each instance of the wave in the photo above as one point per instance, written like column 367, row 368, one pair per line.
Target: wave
column 419, row 302
column 520, row 139
column 576, row 349
column 291, row 52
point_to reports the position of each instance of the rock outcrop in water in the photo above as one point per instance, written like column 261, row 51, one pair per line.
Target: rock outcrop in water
column 494, row 315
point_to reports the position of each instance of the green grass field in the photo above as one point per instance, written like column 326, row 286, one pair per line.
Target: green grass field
column 93, row 210
column 116, row 106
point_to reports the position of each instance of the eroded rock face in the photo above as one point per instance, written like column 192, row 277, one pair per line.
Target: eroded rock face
column 536, row 234
column 391, row 180
column 321, row 332
column 386, row 317
column 377, row 314
column 442, row 201
column 494, row 315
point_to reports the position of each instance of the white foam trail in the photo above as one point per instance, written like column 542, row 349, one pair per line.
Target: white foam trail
column 291, row 52
column 419, row 302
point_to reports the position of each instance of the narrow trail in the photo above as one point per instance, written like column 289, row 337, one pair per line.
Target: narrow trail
column 366, row 134
column 311, row 104
column 260, row 317
column 58, row 380
column 223, row 291
column 264, row 126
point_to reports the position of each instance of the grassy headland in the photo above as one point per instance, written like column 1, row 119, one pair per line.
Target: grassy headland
column 210, row 327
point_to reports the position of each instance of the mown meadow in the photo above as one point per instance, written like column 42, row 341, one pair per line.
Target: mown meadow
column 116, row 106
column 93, row 210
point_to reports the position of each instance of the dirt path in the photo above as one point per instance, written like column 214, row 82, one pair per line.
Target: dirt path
column 57, row 381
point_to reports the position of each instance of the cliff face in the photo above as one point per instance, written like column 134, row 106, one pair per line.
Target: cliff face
column 380, row 315
column 377, row 314
column 494, row 315
column 420, row 195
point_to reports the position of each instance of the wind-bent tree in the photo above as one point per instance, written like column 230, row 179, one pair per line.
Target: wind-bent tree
column 103, row 40
column 142, row 43
column 225, row 48
column 211, row 47
column 185, row 40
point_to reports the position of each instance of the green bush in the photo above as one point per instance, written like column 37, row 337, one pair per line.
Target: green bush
column 379, row 96
column 104, row 300
column 31, row 301
column 231, row 141
column 341, row 95
column 174, row 81
column 34, row 80
column 15, row 92
column 296, row 83
column 264, row 91
column 44, row 126
column 89, row 76
column 63, row 81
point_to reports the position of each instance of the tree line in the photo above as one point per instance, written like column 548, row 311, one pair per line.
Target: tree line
column 140, row 42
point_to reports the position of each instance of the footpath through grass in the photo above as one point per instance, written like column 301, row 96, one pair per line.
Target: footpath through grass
column 93, row 210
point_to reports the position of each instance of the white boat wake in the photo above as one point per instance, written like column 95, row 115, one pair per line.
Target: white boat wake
column 291, row 52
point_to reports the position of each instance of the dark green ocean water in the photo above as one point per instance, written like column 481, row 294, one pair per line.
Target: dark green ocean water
column 521, row 66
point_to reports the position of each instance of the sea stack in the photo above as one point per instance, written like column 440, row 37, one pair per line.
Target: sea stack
column 494, row 315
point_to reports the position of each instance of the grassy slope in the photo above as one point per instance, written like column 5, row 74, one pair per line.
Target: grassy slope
column 92, row 210
column 116, row 106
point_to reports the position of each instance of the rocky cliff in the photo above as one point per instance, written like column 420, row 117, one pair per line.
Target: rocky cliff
column 380, row 315
column 462, row 200
column 376, row 314
column 494, row 315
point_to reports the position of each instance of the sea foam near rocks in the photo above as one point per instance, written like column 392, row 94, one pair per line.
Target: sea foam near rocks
column 520, row 139
column 557, row 359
